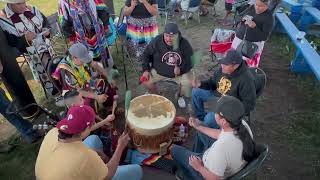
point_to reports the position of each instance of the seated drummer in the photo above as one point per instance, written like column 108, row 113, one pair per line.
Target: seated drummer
column 231, row 151
column 168, row 56
column 78, row 71
column 67, row 152
column 73, row 98
column 232, row 78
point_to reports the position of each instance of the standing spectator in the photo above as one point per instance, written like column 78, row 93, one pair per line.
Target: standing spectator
column 27, row 29
column 142, row 24
column 256, row 24
column 87, row 22
column 22, row 125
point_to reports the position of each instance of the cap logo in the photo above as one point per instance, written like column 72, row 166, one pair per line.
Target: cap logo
column 64, row 127
column 70, row 117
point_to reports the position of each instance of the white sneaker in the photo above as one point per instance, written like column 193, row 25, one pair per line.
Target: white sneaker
column 183, row 16
column 181, row 102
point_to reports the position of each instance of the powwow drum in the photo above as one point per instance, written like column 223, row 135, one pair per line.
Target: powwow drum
column 150, row 122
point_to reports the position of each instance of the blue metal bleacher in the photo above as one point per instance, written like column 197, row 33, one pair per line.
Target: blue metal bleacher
column 306, row 59
column 311, row 16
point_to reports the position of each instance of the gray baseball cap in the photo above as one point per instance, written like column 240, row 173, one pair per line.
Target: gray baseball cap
column 232, row 57
column 81, row 52
column 231, row 109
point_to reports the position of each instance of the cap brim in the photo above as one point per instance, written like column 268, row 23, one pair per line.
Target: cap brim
column 60, row 125
column 225, row 61
column 86, row 59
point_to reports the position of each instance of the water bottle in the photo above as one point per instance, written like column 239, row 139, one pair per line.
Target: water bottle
column 181, row 131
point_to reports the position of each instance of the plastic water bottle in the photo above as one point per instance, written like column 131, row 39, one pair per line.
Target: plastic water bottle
column 182, row 131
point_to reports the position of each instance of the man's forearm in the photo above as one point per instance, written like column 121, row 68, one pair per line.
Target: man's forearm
column 213, row 133
column 206, row 174
column 87, row 94
column 114, row 162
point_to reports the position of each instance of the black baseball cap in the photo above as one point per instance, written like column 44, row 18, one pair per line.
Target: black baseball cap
column 232, row 57
column 70, row 94
column 171, row 28
column 231, row 109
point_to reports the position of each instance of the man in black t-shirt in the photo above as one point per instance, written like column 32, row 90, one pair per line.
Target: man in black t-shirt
column 168, row 56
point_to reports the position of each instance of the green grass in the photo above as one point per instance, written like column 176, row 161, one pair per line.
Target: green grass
column 304, row 130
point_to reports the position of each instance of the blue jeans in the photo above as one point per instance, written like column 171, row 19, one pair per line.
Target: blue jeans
column 181, row 156
column 125, row 172
column 22, row 125
column 172, row 5
column 202, row 142
column 132, row 172
column 199, row 97
column 93, row 142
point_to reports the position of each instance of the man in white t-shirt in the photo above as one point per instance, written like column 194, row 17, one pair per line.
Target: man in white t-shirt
column 231, row 151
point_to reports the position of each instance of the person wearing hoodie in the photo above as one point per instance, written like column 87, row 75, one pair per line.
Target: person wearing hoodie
column 168, row 56
column 233, row 78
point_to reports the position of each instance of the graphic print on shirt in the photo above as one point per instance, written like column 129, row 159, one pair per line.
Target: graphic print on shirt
column 224, row 85
column 172, row 58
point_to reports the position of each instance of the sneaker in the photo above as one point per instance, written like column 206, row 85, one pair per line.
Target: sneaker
column 183, row 16
column 190, row 16
column 181, row 102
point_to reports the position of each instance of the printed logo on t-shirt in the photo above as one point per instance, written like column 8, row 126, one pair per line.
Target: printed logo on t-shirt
column 224, row 85
column 172, row 58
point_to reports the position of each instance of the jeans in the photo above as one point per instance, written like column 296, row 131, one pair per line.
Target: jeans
column 199, row 97
column 172, row 5
column 202, row 142
column 93, row 142
column 181, row 156
column 22, row 125
column 132, row 172
column 124, row 172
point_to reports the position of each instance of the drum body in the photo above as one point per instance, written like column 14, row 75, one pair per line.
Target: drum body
column 150, row 122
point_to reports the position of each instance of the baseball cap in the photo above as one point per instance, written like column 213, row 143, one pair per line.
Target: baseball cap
column 231, row 109
column 81, row 52
column 232, row 57
column 77, row 120
column 171, row 28
column 70, row 94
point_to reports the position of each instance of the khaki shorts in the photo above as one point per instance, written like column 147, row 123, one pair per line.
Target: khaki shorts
column 183, row 80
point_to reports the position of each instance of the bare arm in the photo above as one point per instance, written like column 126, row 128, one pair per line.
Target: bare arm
column 207, row 174
column 153, row 9
column 99, row 69
column 106, row 121
column 129, row 8
column 213, row 133
column 196, row 163
column 114, row 161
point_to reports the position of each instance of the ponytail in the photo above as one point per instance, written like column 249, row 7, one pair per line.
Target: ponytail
column 248, row 152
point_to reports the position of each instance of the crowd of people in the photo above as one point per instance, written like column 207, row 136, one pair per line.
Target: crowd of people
column 87, row 79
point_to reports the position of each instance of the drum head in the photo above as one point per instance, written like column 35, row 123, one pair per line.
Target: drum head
column 151, row 114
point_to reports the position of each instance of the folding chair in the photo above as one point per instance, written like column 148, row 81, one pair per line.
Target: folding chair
column 163, row 8
column 195, row 9
column 260, row 81
column 262, row 152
